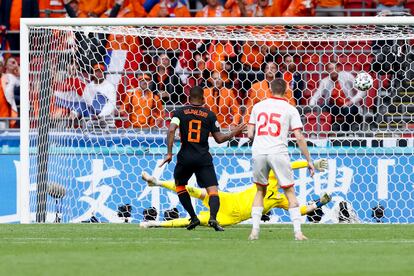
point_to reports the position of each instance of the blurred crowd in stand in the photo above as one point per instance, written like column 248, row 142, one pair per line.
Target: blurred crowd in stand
column 122, row 80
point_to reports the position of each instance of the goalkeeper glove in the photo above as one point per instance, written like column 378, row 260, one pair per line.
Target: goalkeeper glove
column 321, row 164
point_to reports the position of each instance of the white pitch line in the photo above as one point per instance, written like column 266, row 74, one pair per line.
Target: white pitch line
column 187, row 239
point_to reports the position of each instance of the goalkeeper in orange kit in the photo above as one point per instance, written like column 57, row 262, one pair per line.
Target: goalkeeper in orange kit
column 236, row 207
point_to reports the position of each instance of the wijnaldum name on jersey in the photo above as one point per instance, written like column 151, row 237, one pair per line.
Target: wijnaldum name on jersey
column 197, row 112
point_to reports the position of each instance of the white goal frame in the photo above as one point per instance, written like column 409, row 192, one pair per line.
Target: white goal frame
column 23, row 198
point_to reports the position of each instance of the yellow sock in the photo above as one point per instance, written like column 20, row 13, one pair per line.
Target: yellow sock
column 181, row 222
column 170, row 185
column 303, row 210
column 203, row 216
column 194, row 192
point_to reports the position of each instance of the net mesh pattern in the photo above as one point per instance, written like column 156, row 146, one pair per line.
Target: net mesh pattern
column 101, row 99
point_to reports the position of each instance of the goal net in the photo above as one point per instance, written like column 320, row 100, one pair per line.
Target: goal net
column 97, row 100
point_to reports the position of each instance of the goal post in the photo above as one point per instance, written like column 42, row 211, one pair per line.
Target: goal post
column 96, row 159
column 23, row 191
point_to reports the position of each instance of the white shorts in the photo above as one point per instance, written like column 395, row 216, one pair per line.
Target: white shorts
column 279, row 163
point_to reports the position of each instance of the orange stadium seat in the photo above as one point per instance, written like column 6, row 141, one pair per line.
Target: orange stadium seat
column 409, row 4
column 54, row 7
column 358, row 4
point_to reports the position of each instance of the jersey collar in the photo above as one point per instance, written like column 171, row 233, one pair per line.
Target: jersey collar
column 278, row 98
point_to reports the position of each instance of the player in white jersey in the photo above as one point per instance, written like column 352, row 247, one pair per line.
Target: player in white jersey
column 271, row 120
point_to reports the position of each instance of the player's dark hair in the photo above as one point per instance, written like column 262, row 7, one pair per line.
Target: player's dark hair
column 196, row 94
column 278, row 86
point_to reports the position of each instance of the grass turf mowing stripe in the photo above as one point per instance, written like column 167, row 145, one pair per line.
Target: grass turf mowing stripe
column 124, row 249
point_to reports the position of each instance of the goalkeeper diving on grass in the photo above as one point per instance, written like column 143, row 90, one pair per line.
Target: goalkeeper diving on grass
column 236, row 207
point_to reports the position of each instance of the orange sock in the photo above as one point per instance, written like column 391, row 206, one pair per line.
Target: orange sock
column 180, row 189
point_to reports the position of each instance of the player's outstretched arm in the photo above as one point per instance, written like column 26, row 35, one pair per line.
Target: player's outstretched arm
column 170, row 142
column 320, row 164
column 299, row 164
column 300, row 139
column 221, row 137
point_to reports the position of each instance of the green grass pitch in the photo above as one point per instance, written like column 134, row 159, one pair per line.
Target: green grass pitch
column 111, row 249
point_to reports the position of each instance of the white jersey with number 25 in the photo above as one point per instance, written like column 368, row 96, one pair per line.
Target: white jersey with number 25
column 273, row 119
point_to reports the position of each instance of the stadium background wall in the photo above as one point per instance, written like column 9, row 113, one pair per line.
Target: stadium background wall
column 365, row 177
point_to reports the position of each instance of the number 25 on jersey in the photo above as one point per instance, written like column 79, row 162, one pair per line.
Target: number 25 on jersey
column 268, row 124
